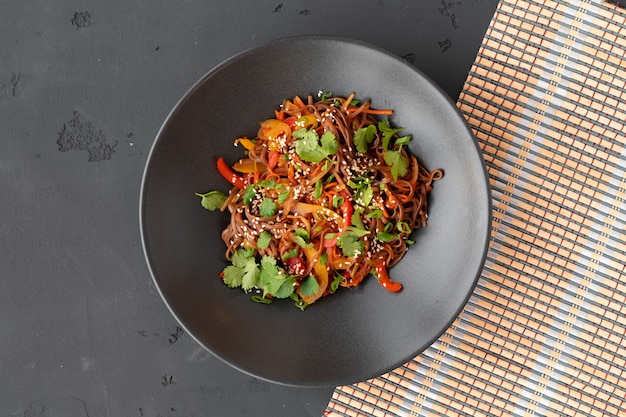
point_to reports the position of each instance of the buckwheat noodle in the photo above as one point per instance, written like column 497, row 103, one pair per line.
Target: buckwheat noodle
column 321, row 197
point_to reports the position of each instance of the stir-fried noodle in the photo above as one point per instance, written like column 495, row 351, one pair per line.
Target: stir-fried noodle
column 327, row 189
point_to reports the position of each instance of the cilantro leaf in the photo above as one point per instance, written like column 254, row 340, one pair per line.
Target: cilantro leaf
column 268, row 207
column 233, row 276
column 286, row 288
column 363, row 137
column 248, row 195
column 309, row 286
column 301, row 242
column 404, row 140
column 398, row 163
column 299, row 231
column 241, row 256
column 308, row 146
column 273, row 280
column 269, row 274
column 270, row 184
column 264, row 240
column 292, row 253
column 250, row 278
column 387, row 132
column 330, row 146
column 243, row 272
column 357, row 231
column 213, row 200
column 350, row 244
column 335, row 283
column 282, row 197
column 357, row 222
column 302, row 238
column 364, row 195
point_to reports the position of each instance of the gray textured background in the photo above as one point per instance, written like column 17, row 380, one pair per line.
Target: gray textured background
column 84, row 88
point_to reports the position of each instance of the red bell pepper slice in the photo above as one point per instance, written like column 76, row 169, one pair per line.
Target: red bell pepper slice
column 347, row 209
column 272, row 159
column 229, row 174
column 383, row 277
column 291, row 121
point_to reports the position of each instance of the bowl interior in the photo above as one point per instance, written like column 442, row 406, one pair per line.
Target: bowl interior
column 355, row 334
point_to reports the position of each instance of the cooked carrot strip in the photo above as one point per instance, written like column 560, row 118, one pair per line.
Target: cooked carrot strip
column 387, row 112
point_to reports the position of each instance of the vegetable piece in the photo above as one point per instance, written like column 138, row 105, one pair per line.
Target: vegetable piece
column 397, row 162
column 273, row 279
column 386, row 236
column 301, row 237
column 228, row 173
column 245, row 142
column 264, row 240
column 403, row 227
column 272, row 159
column 274, row 131
column 347, row 210
column 283, row 196
column 250, row 276
column 363, row 137
column 300, row 105
column 319, row 187
column 268, row 207
column 292, row 253
column 388, row 132
column 307, row 121
column 249, row 194
column 295, row 265
column 244, row 271
column 298, row 302
column 213, row 200
column 375, row 214
column 247, row 166
column 386, row 112
column 383, row 277
column 350, row 244
column 291, row 121
column 261, row 300
column 309, row 286
column 321, row 276
column 232, row 276
column 316, row 210
column 334, row 285
column 308, row 145
column 325, row 95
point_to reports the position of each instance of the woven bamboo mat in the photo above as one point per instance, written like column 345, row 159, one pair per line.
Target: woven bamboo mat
column 544, row 332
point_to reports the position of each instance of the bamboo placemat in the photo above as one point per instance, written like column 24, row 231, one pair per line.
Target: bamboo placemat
column 544, row 332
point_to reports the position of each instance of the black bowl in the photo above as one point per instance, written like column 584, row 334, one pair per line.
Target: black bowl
column 357, row 333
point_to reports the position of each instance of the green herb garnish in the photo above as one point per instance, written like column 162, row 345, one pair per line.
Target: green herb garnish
column 268, row 207
column 350, row 244
column 264, row 239
column 311, row 148
column 213, row 200
column 363, row 137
